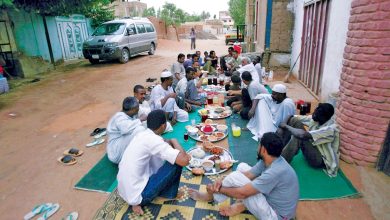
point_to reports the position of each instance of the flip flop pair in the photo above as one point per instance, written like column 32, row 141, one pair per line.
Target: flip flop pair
column 46, row 209
column 69, row 156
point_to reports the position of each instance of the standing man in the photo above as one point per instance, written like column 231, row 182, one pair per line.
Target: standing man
column 178, row 69
column 151, row 166
column 319, row 145
column 122, row 128
column 269, row 190
column 269, row 110
column 163, row 97
column 193, row 38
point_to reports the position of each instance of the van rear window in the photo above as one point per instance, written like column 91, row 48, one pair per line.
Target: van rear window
column 149, row 27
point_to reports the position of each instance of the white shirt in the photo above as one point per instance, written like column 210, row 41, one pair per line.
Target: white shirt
column 144, row 108
column 255, row 88
column 250, row 68
column 158, row 93
column 181, row 86
column 144, row 156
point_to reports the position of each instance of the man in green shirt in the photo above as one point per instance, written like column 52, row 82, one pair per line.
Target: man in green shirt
column 319, row 145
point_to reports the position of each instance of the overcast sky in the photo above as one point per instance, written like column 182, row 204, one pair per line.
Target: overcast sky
column 193, row 6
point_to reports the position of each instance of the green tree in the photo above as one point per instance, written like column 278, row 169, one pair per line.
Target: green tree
column 204, row 15
column 237, row 9
column 149, row 12
column 158, row 13
column 98, row 10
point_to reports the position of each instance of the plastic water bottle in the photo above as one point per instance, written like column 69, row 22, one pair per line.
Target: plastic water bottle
column 271, row 75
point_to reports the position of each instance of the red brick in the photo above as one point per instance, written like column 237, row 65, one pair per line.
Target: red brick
column 346, row 158
column 379, row 75
column 384, row 67
column 357, row 156
column 385, row 6
column 364, row 163
column 371, row 158
column 357, row 3
column 385, row 84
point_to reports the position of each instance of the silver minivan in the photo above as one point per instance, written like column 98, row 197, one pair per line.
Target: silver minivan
column 120, row 39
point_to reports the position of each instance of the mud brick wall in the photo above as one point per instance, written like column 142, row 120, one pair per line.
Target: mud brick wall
column 160, row 27
column 281, row 26
column 363, row 111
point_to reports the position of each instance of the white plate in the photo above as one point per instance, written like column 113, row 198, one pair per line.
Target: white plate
column 226, row 156
column 95, row 56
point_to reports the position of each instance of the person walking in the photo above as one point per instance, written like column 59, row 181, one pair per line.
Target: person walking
column 193, row 38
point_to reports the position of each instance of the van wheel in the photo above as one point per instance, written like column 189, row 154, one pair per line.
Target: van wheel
column 93, row 61
column 151, row 49
column 124, row 56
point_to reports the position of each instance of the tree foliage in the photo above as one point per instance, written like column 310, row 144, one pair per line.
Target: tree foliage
column 237, row 9
column 149, row 12
column 172, row 15
column 98, row 10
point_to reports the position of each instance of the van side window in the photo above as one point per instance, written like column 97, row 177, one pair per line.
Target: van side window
column 132, row 27
column 149, row 27
column 141, row 28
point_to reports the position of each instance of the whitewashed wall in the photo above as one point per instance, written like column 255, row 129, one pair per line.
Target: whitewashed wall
column 334, row 46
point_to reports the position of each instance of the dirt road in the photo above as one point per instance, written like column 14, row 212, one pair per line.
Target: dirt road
column 60, row 112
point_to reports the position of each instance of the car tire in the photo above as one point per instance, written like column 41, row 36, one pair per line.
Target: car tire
column 152, row 49
column 93, row 61
column 125, row 55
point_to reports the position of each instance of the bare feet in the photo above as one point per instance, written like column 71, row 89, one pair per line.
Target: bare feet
column 232, row 210
column 199, row 196
column 137, row 209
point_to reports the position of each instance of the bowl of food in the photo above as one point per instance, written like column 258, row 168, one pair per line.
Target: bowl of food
column 198, row 153
column 212, row 138
column 219, row 110
column 207, row 165
column 222, row 128
column 207, row 129
column 208, row 121
column 192, row 130
column 195, row 163
column 219, row 135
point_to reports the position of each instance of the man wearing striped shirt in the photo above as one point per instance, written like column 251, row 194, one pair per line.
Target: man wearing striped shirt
column 319, row 145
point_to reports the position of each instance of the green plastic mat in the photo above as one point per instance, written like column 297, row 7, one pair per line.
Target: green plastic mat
column 314, row 184
column 102, row 177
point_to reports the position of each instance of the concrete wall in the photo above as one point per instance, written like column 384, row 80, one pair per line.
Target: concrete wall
column 334, row 49
column 334, row 46
column 261, row 16
column 363, row 111
column 54, row 39
column 281, row 26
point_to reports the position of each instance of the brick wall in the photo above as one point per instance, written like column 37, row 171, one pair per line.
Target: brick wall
column 160, row 27
column 281, row 26
column 363, row 111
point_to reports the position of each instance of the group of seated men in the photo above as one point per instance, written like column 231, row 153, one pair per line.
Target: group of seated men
column 150, row 166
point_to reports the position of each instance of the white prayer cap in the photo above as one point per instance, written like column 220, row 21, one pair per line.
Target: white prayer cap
column 166, row 74
column 280, row 88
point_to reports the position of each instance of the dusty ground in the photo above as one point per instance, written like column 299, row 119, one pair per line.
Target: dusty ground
column 59, row 112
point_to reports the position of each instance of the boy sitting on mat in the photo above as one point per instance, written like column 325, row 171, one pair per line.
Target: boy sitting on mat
column 269, row 190
column 319, row 145
column 151, row 166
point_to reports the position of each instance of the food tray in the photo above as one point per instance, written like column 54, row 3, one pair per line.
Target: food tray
column 226, row 156
column 198, row 136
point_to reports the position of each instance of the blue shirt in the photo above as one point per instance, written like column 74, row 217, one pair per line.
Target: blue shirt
column 187, row 63
column 279, row 184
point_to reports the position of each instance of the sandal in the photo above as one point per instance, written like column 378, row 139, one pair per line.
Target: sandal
column 71, row 216
column 37, row 210
column 95, row 142
column 101, row 134
column 97, row 131
column 67, row 160
column 73, row 152
column 49, row 212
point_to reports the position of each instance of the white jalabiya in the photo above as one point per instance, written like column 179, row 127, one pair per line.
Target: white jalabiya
column 144, row 109
column 250, row 68
column 158, row 93
column 269, row 115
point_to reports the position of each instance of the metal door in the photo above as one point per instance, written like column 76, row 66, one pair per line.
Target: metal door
column 72, row 31
column 313, row 40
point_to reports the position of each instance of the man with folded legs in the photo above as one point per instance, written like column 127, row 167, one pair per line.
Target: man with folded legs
column 122, row 128
column 269, row 190
column 163, row 97
column 319, row 145
column 269, row 110
column 151, row 166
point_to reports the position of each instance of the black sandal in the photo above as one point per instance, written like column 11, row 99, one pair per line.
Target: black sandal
column 67, row 160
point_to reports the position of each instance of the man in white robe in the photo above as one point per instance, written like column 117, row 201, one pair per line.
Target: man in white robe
column 269, row 110
column 144, row 107
column 122, row 128
column 163, row 97
column 248, row 66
